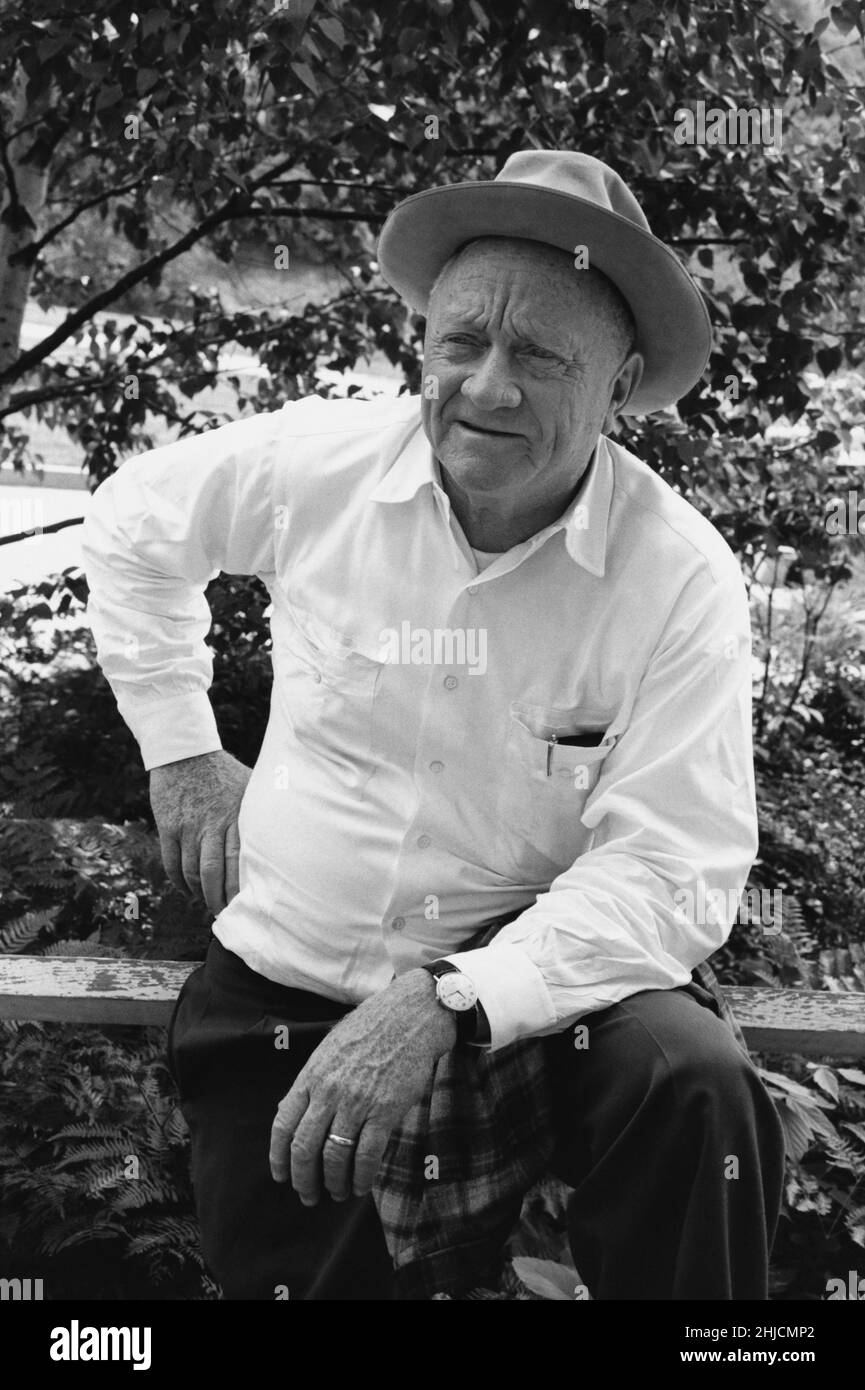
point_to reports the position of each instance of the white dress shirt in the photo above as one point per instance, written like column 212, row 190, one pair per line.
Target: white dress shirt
column 411, row 784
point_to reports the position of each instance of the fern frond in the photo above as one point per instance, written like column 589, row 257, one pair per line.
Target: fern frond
column 81, row 950
column 146, row 1192
column 78, row 1231
column 22, row 931
column 176, row 1129
column 85, row 1153
column 94, row 1131
column 179, row 1233
column 845, row 1153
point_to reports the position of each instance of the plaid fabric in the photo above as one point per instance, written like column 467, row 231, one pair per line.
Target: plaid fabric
column 454, row 1174
column 705, row 977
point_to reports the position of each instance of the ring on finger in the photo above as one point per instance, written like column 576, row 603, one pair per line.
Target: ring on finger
column 344, row 1143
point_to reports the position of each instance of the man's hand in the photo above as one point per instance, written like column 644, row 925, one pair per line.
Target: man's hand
column 196, row 803
column 359, row 1083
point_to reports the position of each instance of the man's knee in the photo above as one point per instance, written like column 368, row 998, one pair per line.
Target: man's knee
column 699, row 1071
column 662, row 1055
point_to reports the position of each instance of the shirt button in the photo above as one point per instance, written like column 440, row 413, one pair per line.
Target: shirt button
column 450, row 682
column 473, row 588
column 316, row 676
column 423, row 841
column 436, row 766
column 398, row 923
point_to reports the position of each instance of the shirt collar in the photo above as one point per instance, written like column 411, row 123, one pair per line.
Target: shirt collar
column 585, row 521
column 413, row 467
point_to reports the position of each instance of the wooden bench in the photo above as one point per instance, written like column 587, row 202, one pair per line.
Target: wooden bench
column 812, row 1023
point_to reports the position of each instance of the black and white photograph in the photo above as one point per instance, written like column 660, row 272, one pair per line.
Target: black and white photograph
column 432, row 672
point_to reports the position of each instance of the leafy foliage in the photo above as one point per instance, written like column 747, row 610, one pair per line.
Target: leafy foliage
column 93, row 1166
column 22, row 932
column 70, row 771
column 822, row 1230
column 303, row 124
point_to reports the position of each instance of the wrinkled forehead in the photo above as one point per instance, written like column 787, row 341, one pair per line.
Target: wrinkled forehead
column 526, row 285
column 534, row 289
column 507, row 256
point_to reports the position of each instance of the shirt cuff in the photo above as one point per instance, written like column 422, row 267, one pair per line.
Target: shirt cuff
column 512, row 990
column 181, row 726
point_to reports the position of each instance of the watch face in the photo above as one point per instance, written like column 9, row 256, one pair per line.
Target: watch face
column 456, row 991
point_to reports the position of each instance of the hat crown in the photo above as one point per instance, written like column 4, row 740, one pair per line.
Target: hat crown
column 578, row 175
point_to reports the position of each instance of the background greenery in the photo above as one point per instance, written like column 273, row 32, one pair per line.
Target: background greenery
column 300, row 125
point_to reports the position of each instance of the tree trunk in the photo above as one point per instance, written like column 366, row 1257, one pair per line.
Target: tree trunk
column 25, row 190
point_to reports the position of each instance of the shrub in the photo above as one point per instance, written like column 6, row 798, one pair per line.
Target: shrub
column 93, row 1166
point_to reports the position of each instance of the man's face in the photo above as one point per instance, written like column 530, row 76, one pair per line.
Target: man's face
column 522, row 349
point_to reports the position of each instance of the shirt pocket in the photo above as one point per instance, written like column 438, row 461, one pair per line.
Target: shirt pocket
column 327, row 685
column 554, row 756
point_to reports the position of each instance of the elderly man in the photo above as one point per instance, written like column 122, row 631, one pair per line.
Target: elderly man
column 511, row 687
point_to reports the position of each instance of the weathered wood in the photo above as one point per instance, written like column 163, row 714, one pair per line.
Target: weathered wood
column 90, row 989
column 814, row 1023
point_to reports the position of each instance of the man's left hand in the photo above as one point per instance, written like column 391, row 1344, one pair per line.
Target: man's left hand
column 359, row 1083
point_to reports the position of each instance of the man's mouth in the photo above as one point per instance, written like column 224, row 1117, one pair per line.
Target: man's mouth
column 485, row 430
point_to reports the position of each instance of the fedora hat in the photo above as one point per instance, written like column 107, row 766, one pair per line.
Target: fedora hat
column 567, row 200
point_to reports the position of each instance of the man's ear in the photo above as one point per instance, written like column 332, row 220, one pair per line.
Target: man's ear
column 625, row 384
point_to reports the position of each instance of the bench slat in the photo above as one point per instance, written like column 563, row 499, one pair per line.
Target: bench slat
column 814, row 1023
column 91, row 989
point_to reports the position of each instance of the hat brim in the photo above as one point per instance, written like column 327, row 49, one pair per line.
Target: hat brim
column 674, row 333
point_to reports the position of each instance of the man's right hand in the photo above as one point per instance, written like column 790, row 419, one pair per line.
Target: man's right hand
column 196, row 803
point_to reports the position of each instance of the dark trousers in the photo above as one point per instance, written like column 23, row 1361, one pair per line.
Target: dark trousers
column 666, row 1135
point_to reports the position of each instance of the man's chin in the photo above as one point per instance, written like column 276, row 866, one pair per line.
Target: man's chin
column 484, row 461
column 477, row 472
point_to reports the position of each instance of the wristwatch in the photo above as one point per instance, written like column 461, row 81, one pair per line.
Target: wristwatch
column 456, row 992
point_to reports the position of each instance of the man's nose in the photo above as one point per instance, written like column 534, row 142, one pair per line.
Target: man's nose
column 490, row 386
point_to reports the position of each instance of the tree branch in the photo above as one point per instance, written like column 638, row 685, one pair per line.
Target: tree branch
column 235, row 206
column 29, row 253
column 42, row 395
column 41, row 530
column 763, row 18
column 324, row 214
column 708, row 241
column 340, row 183
column 22, row 129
